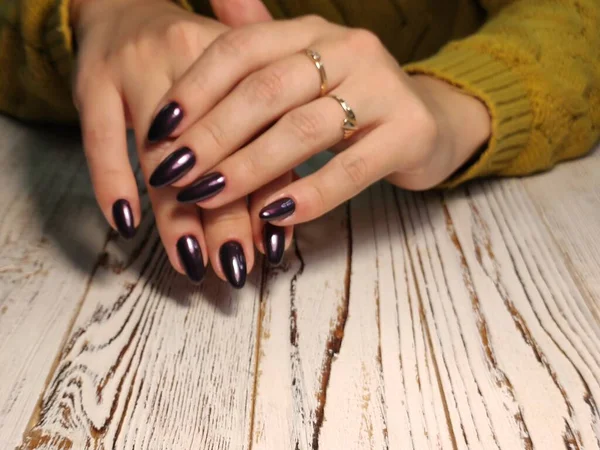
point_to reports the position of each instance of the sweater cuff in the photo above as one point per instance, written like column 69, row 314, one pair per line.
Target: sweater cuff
column 504, row 95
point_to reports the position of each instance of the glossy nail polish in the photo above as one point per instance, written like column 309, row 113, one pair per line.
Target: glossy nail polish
column 279, row 209
column 233, row 262
column 173, row 167
column 206, row 187
column 190, row 256
column 123, row 217
column 274, row 242
column 165, row 122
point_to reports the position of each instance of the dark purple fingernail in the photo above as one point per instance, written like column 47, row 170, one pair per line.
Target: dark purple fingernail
column 173, row 167
column 233, row 262
column 191, row 259
column 279, row 209
column 123, row 217
column 165, row 122
column 274, row 242
column 206, row 187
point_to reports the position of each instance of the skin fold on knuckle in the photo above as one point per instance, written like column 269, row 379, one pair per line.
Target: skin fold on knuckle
column 305, row 127
column 234, row 43
column 355, row 169
column 215, row 134
column 221, row 223
column 316, row 202
column 364, row 42
column 265, row 87
column 181, row 37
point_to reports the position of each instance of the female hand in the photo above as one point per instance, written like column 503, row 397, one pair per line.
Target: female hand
column 129, row 54
column 414, row 131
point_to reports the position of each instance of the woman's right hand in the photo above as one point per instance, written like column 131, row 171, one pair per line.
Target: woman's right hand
column 129, row 53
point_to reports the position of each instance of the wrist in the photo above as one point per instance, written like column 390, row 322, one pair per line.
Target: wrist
column 464, row 122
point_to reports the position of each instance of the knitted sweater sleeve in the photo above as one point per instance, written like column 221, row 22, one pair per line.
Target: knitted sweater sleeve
column 36, row 60
column 535, row 65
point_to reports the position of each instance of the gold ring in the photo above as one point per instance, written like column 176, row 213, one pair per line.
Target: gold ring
column 349, row 126
column 316, row 59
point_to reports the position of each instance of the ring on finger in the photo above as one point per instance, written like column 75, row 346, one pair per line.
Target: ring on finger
column 316, row 59
column 349, row 125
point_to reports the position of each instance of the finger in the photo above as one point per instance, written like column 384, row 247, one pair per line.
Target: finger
column 271, row 240
column 181, row 232
column 255, row 103
column 179, row 226
column 346, row 175
column 229, row 240
column 105, row 143
column 296, row 137
column 227, row 61
column 240, row 12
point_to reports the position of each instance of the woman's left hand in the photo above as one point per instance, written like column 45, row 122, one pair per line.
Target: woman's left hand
column 253, row 111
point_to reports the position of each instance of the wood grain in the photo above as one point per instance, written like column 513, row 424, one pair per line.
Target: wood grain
column 456, row 320
column 142, row 366
column 51, row 235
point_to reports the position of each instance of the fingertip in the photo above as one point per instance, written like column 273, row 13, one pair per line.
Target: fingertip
column 123, row 218
column 165, row 122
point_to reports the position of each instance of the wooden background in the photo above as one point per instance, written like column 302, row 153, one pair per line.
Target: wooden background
column 460, row 320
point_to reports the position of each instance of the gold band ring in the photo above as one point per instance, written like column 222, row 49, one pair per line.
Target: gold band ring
column 349, row 126
column 316, row 59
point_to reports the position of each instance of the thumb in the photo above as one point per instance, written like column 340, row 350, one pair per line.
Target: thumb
column 235, row 13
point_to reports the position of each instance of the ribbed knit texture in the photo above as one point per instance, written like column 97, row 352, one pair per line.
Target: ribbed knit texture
column 533, row 63
column 502, row 92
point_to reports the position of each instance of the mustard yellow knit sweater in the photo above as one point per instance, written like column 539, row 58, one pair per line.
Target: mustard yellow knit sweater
column 534, row 63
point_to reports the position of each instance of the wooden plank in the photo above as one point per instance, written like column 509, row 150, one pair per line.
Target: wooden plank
column 463, row 319
column 51, row 235
column 303, row 319
column 153, row 362
column 568, row 199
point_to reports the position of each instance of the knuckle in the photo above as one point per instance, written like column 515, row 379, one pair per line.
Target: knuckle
column 305, row 126
column 317, row 201
column 364, row 41
column 233, row 43
column 97, row 137
column 183, row 36
column 253, row 164
column 313, row 19
column 265, row 86
column 215, row 134
column 355, row 169
column 224, row 219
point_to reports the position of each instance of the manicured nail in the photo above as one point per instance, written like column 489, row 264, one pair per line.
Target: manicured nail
column 123, row 217
column 233, row 262
column 190, row 256
column 165, row 122
column 173, row 167
column 279, row 209
column 274, row 242
column 206, row 187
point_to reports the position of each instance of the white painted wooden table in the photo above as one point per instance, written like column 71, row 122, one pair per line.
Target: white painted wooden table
column 458, row 320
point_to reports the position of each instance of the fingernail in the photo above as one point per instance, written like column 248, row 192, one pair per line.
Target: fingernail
column 190, row 256
column 279, row 209
column 173, row 167
column 274, row 242
column 233, row 262
column 206, row 187
column 165, row 122
column 123, row 217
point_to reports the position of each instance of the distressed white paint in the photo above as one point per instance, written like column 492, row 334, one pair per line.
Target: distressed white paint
column 464, row 320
